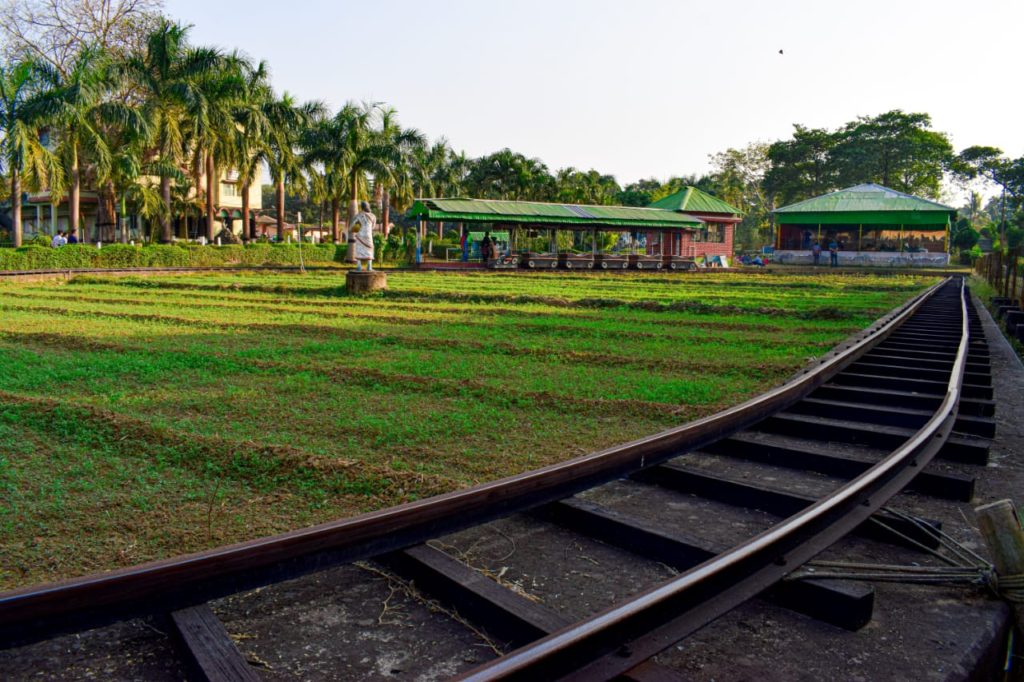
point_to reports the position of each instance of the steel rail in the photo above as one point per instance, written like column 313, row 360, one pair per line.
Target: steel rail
column 41, row 611
column 618, row 639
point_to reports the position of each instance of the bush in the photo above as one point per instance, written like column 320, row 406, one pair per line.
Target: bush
column 163, row 256
column 72, row 256
column 118, row 256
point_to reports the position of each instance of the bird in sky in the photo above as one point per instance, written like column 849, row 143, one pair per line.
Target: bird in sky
column 780, row 51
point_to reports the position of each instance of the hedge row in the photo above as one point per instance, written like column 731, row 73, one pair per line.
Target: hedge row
column 165, row 255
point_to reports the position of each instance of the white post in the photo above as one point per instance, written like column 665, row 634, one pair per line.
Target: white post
column 298, row 227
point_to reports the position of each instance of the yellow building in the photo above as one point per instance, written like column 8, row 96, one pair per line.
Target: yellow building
column 41, row 215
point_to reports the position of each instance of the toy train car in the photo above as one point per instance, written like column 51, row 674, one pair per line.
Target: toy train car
column 607, row 262
column 539, row 261
column 641, row 262
column 678, row 263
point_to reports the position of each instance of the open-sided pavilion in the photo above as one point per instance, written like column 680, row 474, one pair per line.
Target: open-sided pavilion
column 871, row 224
column 527, row 220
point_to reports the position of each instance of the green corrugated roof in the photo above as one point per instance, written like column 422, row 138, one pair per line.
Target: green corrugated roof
column 539, row 213
column 694, row 200
column 867, row 204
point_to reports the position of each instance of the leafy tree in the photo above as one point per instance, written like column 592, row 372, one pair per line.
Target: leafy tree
column 590, row 187
column 801, row 167
column 989, row 164
column 639, row 193
column 739, row 180
column 894, row 149
column 963, row 235
column 509, row 175
column 55, row 31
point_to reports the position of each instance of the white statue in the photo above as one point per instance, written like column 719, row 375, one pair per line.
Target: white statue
column 362, row 236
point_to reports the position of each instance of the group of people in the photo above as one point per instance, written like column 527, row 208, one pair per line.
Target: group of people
column 833, row 253
column 62, row 238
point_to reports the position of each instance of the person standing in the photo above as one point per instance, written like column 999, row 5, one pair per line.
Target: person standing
column 486, row 248
column 833, row 253
column 58, row 240
column 816, row 252
column 72, row 238
column 362, row 237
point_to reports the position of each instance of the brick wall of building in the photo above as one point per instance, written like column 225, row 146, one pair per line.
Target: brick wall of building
column 683, row 244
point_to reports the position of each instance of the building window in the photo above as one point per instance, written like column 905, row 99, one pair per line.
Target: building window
column 230, row 190
column 715, row 233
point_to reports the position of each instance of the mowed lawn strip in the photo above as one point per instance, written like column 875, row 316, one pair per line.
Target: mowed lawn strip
column 145, row 417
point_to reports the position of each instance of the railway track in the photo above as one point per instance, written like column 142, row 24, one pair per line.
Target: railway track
column 814, row 461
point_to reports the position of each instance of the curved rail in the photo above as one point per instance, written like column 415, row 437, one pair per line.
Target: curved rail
column 35, row 612
column 606, row 645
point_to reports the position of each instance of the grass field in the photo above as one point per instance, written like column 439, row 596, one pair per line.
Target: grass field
column 145, row 417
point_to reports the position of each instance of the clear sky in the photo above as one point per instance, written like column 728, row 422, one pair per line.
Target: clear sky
column 639, row 88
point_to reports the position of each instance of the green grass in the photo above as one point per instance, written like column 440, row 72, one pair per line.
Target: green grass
column 144, row 417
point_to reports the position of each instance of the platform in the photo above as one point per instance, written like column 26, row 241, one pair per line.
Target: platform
column 365, row 282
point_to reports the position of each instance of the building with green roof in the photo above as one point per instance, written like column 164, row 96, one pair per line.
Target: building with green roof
column 714, row 238
column 869, row 223
column 537, row 217
column 542, row 214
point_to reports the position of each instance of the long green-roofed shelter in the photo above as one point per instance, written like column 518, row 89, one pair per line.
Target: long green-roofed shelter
column 541, row 214
column 869, row 222
column 536, row 218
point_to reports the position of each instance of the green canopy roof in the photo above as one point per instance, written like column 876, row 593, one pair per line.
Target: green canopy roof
column 695, row 201
column 867, row 204
column 538, row 213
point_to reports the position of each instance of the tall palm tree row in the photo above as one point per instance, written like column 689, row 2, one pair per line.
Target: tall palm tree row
column 152, row 132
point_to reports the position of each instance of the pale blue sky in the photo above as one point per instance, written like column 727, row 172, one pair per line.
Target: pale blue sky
column 640, row 88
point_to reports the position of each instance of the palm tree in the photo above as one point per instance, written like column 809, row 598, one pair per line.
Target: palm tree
column 168, row 74
column 286, row 122
column 78, row 102
column 401, row 146
column 128, row 180
column 325, row 153
column 249, row 148
column 21, row 118
column 363, row 153
column 212, row 121
column 508, row 175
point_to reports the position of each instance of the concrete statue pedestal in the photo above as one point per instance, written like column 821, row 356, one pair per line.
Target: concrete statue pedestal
column 365, row 282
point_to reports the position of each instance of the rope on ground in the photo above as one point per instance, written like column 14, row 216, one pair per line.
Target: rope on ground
column 965, row 567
